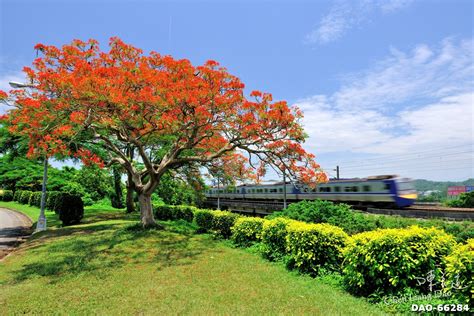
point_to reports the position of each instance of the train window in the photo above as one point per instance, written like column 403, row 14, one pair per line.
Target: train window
column 313, row 190
column 281, row 189
column 337, row 189
column 386, row 186
column 348, row 189
column 366, row 188
column 266, row 190
column 273, row 190
column 355, row 189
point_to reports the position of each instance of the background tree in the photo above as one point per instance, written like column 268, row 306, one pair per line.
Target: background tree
column 170, row 112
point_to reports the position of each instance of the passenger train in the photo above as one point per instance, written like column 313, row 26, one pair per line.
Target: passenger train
column 388, row 190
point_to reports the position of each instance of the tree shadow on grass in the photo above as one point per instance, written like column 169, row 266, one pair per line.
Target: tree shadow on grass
column 98, row 249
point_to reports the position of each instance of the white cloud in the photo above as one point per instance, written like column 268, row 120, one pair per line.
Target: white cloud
column 345, row 14
column 401, row 77
column 407, row 103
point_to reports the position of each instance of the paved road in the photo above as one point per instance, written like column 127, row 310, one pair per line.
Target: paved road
column 14, row 227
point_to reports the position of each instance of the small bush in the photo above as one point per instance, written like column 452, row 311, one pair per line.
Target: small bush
column 51, row 201
column 171, row 212
column 320, row 211
column 274, row 238
column 35, row 199
column 247, row 230
column 184, row 212
column 315, row 246
column 384, row 262
column 163, row 212
column 459, row 272
column 25, row 197
column 6, row 196
column 223, row 222
column 16, row 195
column 465, row 200
column 70, row 208
column 204, row 219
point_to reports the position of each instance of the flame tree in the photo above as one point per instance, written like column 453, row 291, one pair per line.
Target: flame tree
column 152, row 113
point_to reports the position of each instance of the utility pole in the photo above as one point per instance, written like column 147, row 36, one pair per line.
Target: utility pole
column 218, row 194
column 284, row 190
column 337, row 172
column 41, row 224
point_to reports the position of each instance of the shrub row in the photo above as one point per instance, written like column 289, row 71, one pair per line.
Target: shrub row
column 376, row 263
column 6, row 195
column 219, row 222
column 69, row 207
column 339, row 214
column 390, row 260
column 174, row 212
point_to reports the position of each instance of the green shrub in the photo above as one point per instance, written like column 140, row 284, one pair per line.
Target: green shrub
column 315, row 246
column 247, row 230
column 172, row 212
column 70, row 208
column 52, row 201
column 459, row 272
column 320, row 211
column 464, row 200
column 274, row 238
column 17, row 195
column 387, row 261
column 35, row 199
column 163, row 212
column 223, row 222
column 204, row 219
column 184, row 212
column 6, row 195
column 25, row 197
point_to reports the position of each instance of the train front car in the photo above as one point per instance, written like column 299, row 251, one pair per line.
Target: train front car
column 404, row 192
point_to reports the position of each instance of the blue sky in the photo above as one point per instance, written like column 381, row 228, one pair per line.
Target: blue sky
column 386, row 86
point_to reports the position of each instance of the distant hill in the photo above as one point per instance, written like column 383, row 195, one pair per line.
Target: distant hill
column 442, row 186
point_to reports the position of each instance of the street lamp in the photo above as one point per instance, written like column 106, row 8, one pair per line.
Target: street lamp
column 41, row 225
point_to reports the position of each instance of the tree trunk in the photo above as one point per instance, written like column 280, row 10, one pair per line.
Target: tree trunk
column 117, row 201
column 129, row 199
column 146, row 210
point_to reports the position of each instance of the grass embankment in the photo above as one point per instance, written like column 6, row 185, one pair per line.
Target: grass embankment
column 108, row 265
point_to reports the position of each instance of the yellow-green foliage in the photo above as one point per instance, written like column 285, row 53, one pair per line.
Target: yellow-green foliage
column 459, row 272
column 274, row 238
column 315, row 246
column 247, row 230
column 223, row 222
column 389, row 260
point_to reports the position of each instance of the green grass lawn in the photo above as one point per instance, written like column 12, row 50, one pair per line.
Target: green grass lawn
column 108, row 265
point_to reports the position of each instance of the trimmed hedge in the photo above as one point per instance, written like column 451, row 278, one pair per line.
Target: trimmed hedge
column 387, row 261
column 315, row 246
column 35, row 199
column 219, row 222
column 247, row 230
column 70, row 208
column 223, row 222
column 52, row 201
column 460, row 272
column 274, row 238
column 204, row 219
column 24, row 197
column 6, row 195
column 172, row 212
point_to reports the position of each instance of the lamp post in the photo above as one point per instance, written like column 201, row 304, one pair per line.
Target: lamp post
column 41, row 225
